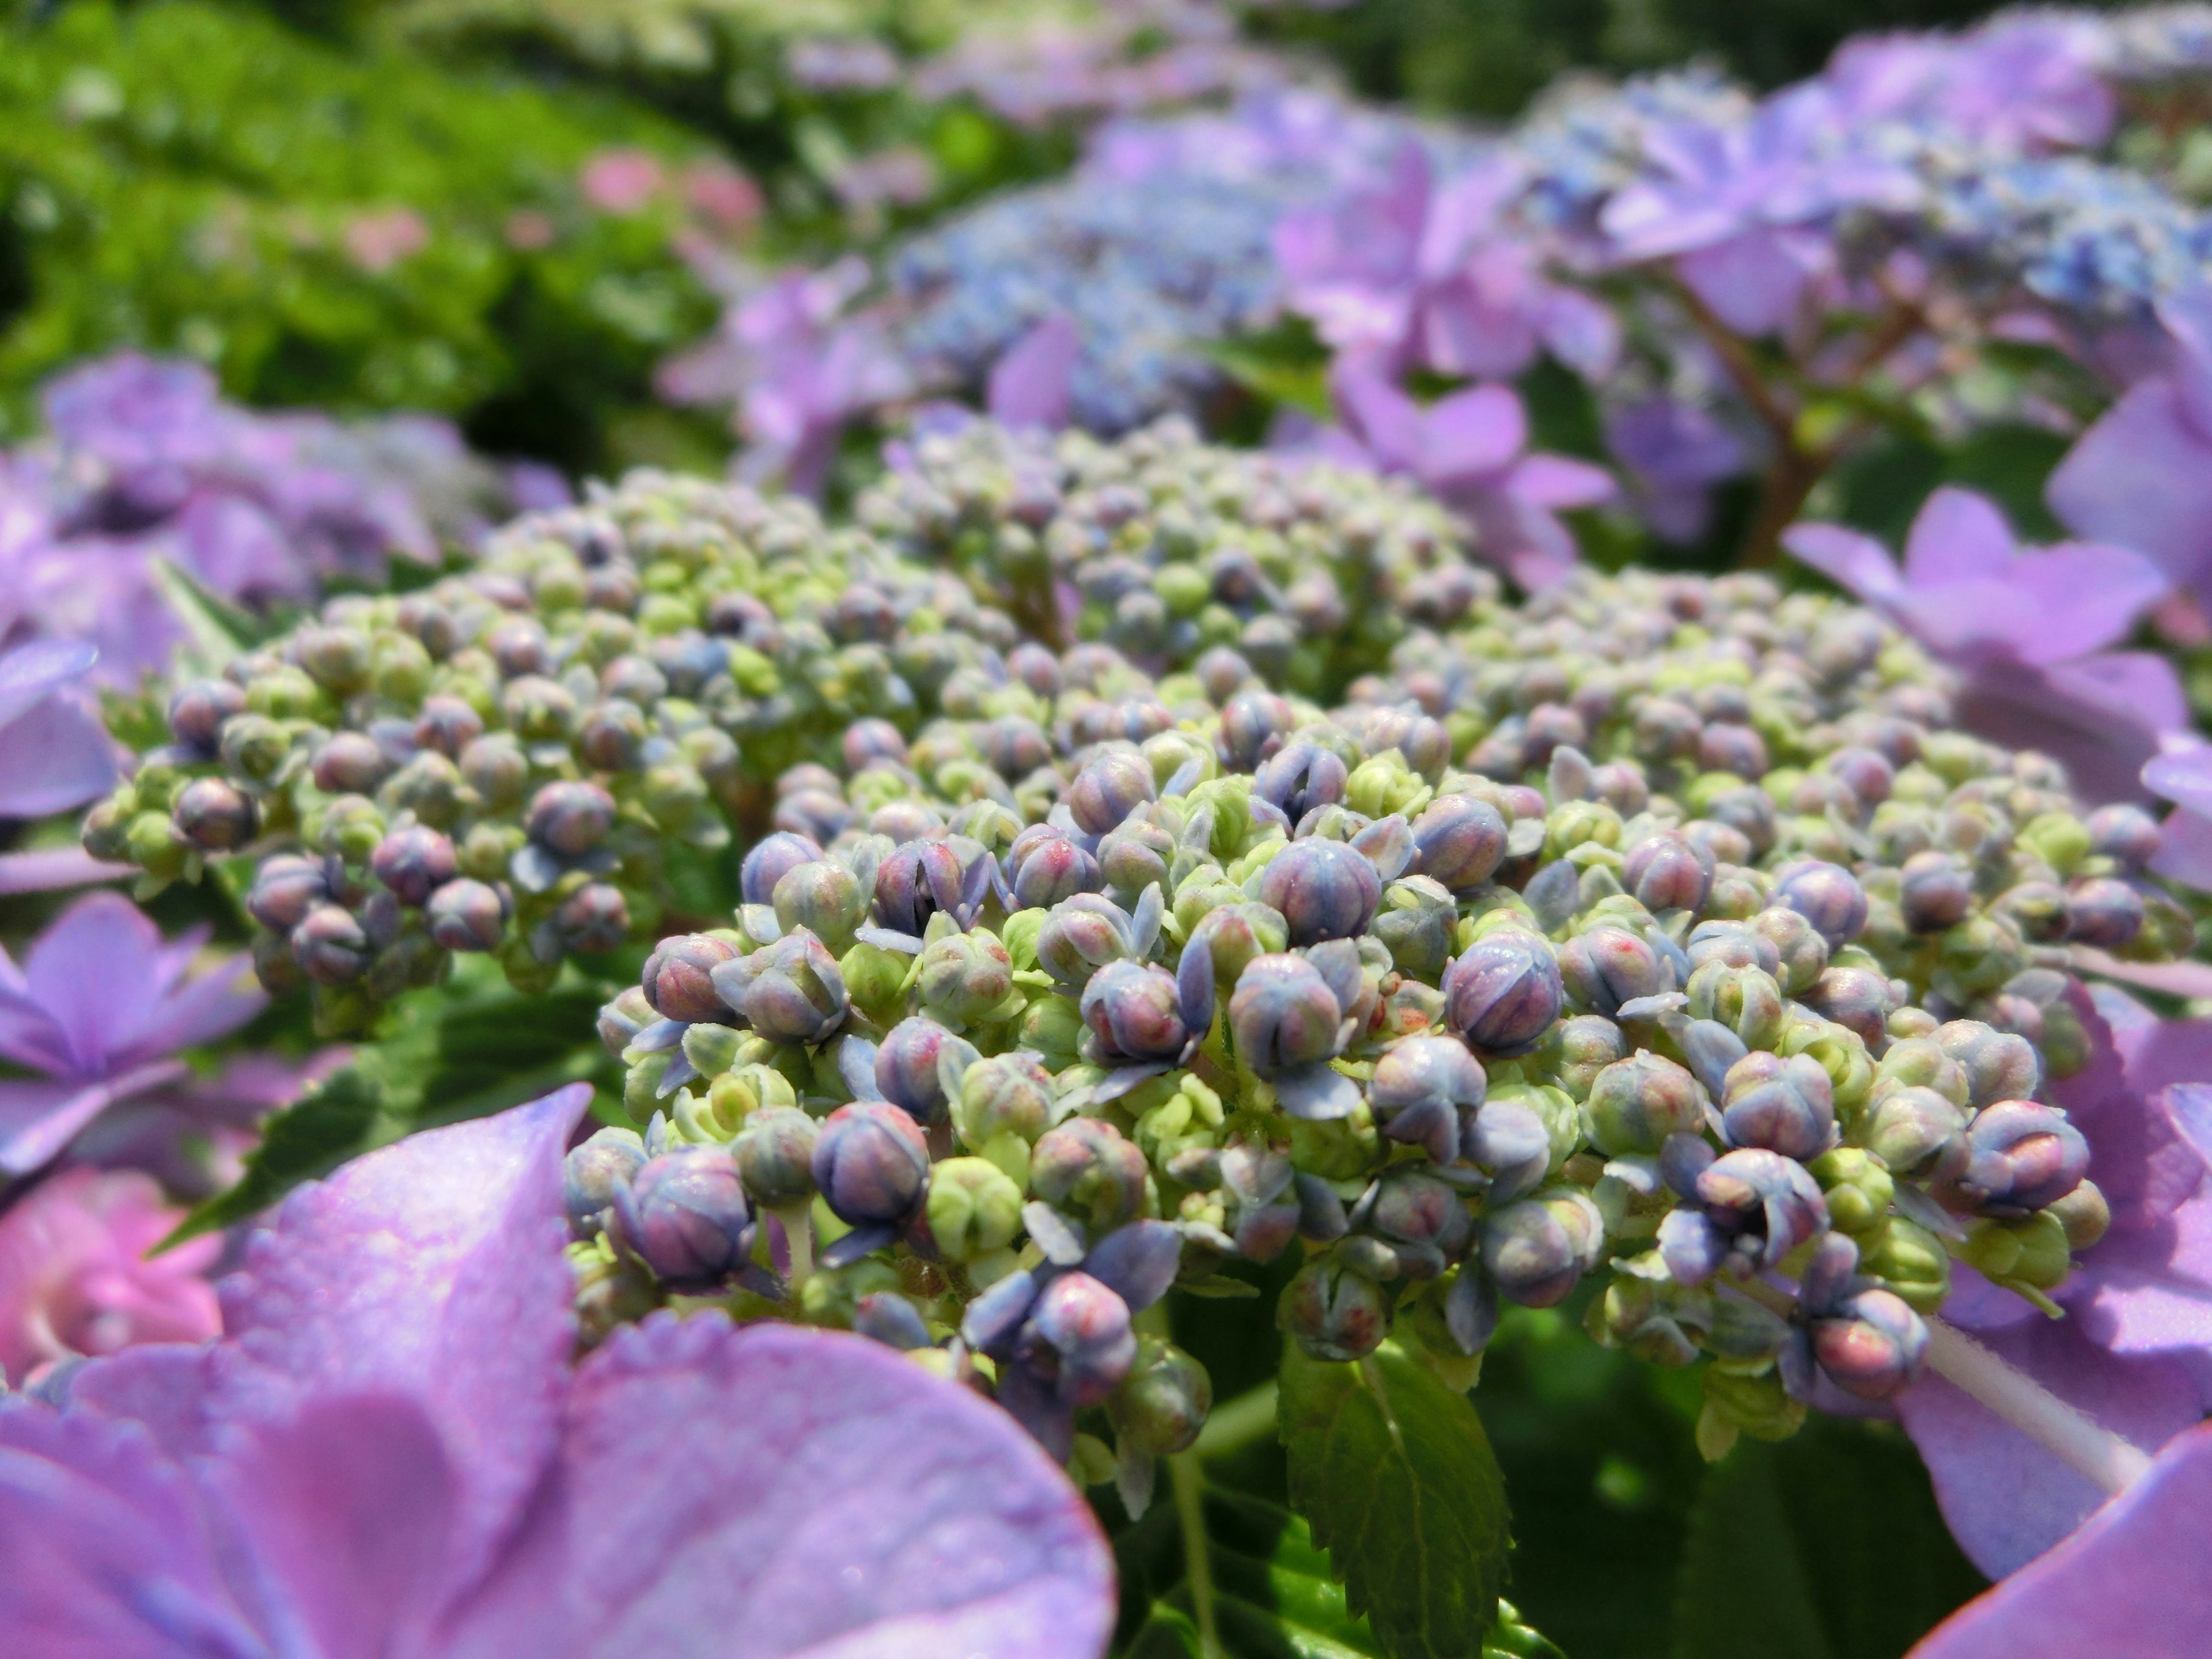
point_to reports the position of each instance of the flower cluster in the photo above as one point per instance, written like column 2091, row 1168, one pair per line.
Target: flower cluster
column 145, row 465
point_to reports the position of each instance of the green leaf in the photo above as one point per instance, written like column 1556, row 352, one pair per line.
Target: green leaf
column 1826, row 1545
column 467, row 1049
column 215, row 629
column 1394, row 1472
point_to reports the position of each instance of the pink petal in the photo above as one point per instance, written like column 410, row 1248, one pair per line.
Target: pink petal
column 846, row 1505
column 2131, row 1584
column 432, row 1270
column 1957, row 536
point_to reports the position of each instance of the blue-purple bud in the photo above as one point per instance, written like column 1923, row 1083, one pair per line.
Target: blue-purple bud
column 1300, row 776
column 1283, row 1015
column 1827, row 895
column 907, row 1071
column 1751, row 1208
column 1459, row 841
column 329, row 945
column 1537, row 1250
column 414, row 863
column 917, row 880
column 569, row 819
column 1935, row 891
column 1668, row 871
column 872, row 740
column 678, row 977
column 1105, row 791
column 871, row 1163
column 1254, row 724
column 2021, row 1155
column 790, row 990
column 774, row 1152
column 2101, row 911
column 2121, row 832
column 1048, row 868
column 1322, row 890
column 215, row 814
column 1424, row 1218
column 1857, row 999
column 591, row 1173
column 593, row 918
column 1078, row 1339
column 1786, row 1106
column 285, row 888
column 1420, row 1089
column 684, row 1215
column 1089, row 1168
column 198, row 709
column 467, row 915
column 1082, row 935
column 772, row 858
column 1503, row 993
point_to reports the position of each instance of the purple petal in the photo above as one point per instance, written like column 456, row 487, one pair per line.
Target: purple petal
column 97, row 971
column 1031, row 384
column 1383, row 418
column 1752, row 283
column 431, row 1270
column 2148, row 1291
column 1472, row 433
column 33, row 672
column 1957, row 536
column 213, row 1005
column 1137, row 1262
column 50, row 870
column 2100, row 716
column 1857, row 563
column 104, row 1549
column 53, row 756
column 2184, row 851
column 2087, row 596
column 2183, row 777
column 1557, row 481
column 2131, row 1584
column 2136, row 478
column 2008, row 1499
column 847, row 1502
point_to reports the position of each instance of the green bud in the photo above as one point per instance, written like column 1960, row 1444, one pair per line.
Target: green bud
column 973, row 1208
column 2059, row 839
column 1921, row 1063
column 876, row 980
column 1051, row 1026
column 642, row 1083
column 349, row 826
column 2083, row 1213
column 712, row 1049
column 155, row 847
column 1160, row 1406
column 2031, row 1250
column 965, row 976
column 1657, row 1321
column 1736, row 1403
column 1911, row 1261
column 1746, row 1000
column 1858, row 1188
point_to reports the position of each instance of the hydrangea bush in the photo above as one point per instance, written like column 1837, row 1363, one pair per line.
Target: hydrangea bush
column 1155, row 861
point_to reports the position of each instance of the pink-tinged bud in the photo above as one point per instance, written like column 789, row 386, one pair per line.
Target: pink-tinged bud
column 1934, row 892
column 1459, row 841
column 918, row 880
column 570, row 819
column 414, row 863
column 447, row 724
column 593, row 918
column 1786, row 1106
column 1872, row 1347
column 285, row 889
column 1078, row 1339
column 871, row 1163
column 350, row 764
column 1082, row 935
column 329, row 945
column 790, row 990
column 1134, row 1014
column 771, row 859
column 907, row 1068
column 197, row 711
column 1108, row 789
column 2101, row 911
column 1607, row 966
column 1087, row 1168
column 1857, row 999
column 467, row 915
column 1668, row 871
column 684, row 1215
column 1827, row 895
column 215, row 816
column 1503, row 995
column 1049, row 868
column 869, row 740
column 2021, row 1155
column 1420, row 1088
column 1253, row 727
column 2124, row 834
column 1333, row 1313
column 678, row 978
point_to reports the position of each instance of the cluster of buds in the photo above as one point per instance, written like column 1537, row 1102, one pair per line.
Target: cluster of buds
column 1661, row 932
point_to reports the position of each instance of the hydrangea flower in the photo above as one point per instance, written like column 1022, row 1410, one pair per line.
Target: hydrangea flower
column 54, row 753
column 2028, row 626
column 102, row 1006
column 389, row 1451
column 77, row 1279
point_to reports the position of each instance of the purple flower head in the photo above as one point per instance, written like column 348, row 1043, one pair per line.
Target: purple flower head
column 2136, row 477
column 2028, row 626
column 1470, row 450
column 2023, row 82
column 390, row 1451
column 101, row 1006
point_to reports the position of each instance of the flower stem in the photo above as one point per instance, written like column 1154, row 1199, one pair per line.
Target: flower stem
column 797, row 1221
column 1183, row 1472
column 2113, row 1463
column 1232, row 1427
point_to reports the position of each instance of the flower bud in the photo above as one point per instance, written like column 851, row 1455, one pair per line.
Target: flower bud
column 1078, row 1339
column 1134, row 1014
column 595, row 917
column 1659, row 1323
column 198, row 710
column 1934, row 892
column 569, row 819
column 1915, row 1130
column 1415, row 925
column 2021, row 1155
column 2083, row 1215
column 1668, row 871
column 329, row 945
column 1459, row 841
column 1537, row 1250
column 1283, row 1015
column 1299, row 777
column 591, row 1172
column 965, row 975
column 2121, row 832
column 466, row 916
column 788, row 992
column 1857, row 1188
column 1334, row 1313
column 1503, row 993
column 1322, row 890
column 1163, row 1403
column 1827, row 895
column 1801, row 955
column 907, row 1068
column 215, row 816
column 774, row 1152
column 1049, row 869
column 284, row 890
column 414, row 863
column 1588, row 1044
column 1005, row 1094
column 684, row 1215
column 1996, row 1064
column 919, row 879
column 974, row 1208
column 1105, row 791
column 823, row 897
column 1420, row 1088
column 1751, row 1208
column 1786, row 1106
column 1607, row 966
column 1082, row 935
column 1424, row 1218
column 1133, row 857
column 871, row 1163
column 350, row 764
column 1634, row 1104
column 1254, row 724
column 2101, row 911
column 678, row 977
column 1087, row 1168
column 1857, row 999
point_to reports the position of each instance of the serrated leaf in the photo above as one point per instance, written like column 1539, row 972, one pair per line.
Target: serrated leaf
column 465, row 1049
column 1826, row 1545
column 1394, row 1474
